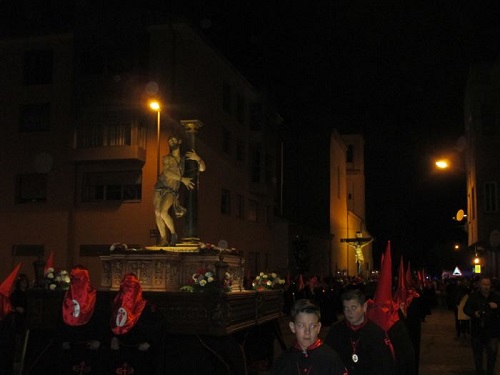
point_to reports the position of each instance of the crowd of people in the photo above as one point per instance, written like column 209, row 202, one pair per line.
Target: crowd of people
column 373, row 325
column 366, row 344
column 364, row 347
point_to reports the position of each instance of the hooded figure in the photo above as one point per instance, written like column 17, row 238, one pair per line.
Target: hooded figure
column 80, row 333
column 136, row 330
column 5, row 290
column 384, row 311
column 127, row 305
column 79, row 300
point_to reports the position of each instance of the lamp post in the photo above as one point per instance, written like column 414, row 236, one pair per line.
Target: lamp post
column 155, row 106
column 451, row 167
column 442, row 164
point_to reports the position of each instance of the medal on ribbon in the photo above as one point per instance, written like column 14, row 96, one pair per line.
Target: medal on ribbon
column 354, row 344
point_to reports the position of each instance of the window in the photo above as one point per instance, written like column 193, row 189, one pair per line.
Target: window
column 256, row 116
column 112, row 186
column 349, row 157
column 226, row 141
column 31, row 188
column 255, row 164
column 265, row 214
column 225, row 202
column 269, row 168
column 34, row 117
column 490, row 197
column 226, row 98
column 240, row 207
column 473, row 203
column 339, row 180
column 28, row 250
column 92, row 60
column 38, row 67
column 240, row 150
column 240, row 108
column 253, row 211
column 488, row 119
column 113, row 131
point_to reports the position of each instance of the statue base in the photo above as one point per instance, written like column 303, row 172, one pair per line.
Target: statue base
column 178, row 248
column 167, row 269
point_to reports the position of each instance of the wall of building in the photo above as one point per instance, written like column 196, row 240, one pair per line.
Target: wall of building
column 347, row 204
column 190, row 76
column 482, row 131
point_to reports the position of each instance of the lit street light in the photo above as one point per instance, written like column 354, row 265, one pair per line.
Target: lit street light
column 442, row 164
column 155, row 106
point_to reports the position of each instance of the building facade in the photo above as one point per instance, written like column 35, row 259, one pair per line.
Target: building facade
column 350, row 240
column 81, row 148
column 482, row 163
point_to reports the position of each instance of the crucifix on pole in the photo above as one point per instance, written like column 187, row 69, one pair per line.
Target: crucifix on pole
column 358, row 243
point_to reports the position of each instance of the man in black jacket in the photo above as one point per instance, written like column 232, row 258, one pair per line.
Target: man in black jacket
column 483, row 308
column 361, row 343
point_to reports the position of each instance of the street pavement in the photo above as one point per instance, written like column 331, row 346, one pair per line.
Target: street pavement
column 440, row 352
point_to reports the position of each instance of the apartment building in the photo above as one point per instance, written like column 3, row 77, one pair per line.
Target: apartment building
column 81, row 147
column 482, row 164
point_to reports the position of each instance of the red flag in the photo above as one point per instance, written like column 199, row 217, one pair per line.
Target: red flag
column 382, row 310
column 402, row 291
column 301, row 284
column 383, row 293
column 420, row 279
column 50, row 263
column 404, row 294
column 5, row 290
column 409, row 276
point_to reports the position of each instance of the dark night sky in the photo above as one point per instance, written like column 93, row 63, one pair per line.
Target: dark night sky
column 394, row 70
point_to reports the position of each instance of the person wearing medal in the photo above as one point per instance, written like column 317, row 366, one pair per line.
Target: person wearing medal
column 360, row 343
column 308, row 355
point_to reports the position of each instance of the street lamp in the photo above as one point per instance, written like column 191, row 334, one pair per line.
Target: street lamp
column 450, row 162
column 477, row 264
column 155, row 106
column 442, row 164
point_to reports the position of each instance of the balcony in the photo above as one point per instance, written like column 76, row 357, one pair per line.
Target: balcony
column 120, row 141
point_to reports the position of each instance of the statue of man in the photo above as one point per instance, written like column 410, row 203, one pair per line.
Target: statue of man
column 166, row 190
